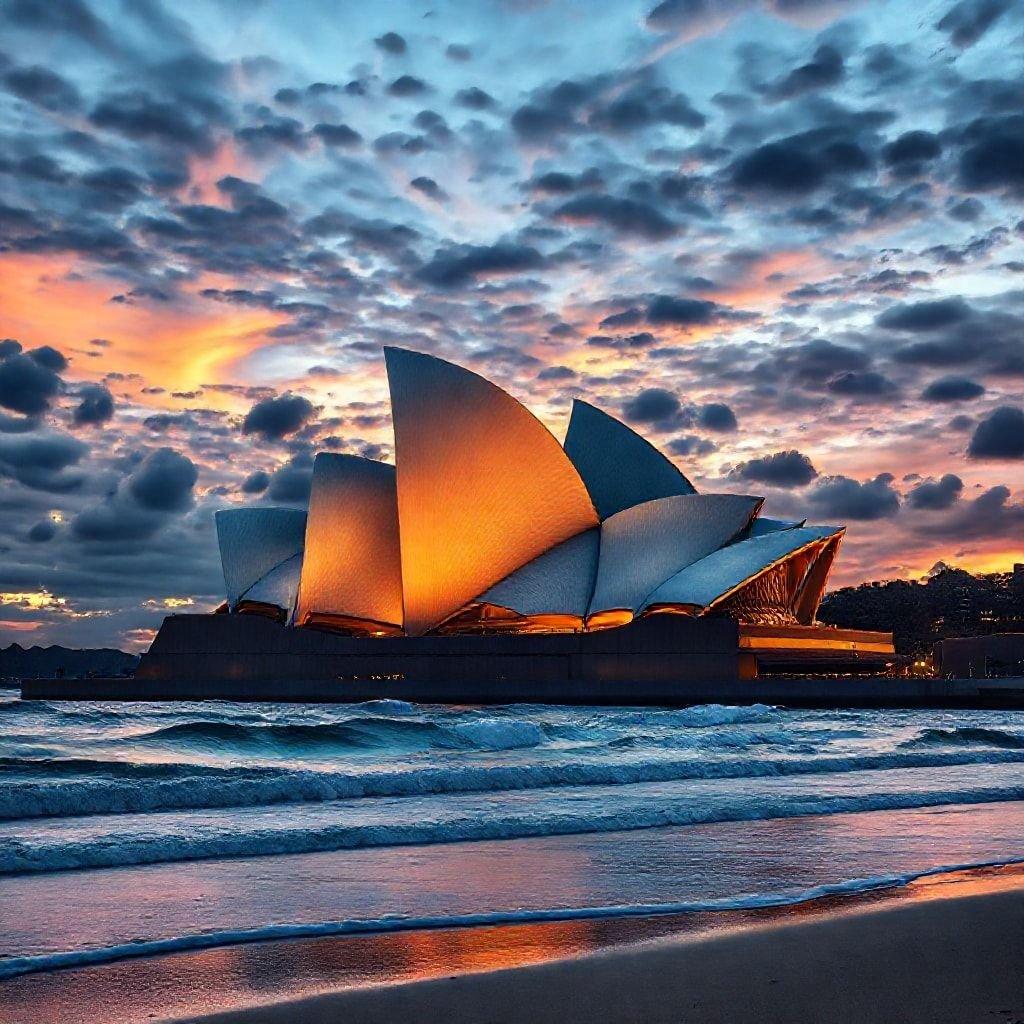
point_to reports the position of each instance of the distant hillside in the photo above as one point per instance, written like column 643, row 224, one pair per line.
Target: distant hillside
column 946, row 603
column 17, row 662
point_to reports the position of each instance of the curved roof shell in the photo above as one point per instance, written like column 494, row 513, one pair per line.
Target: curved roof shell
column 716, row 577
column 508, row 491
column 558, row 582
column 253, row 541
column 642, row 546
column 618, row 466
column 278, row 589
column 351, row 569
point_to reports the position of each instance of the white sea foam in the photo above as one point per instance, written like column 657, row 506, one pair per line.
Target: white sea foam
column 20, row 965
column 71, row 794
column 69, row 844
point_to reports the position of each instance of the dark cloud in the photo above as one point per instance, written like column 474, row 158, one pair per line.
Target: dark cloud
column 824, row 69
column 48, row 356
column 841, row 498
column 474, row 98
column 913, row 147
column 43, row 87
column 275, row 132
column 96, row 405
column 691, row 444
column 273, row 418
column 292, row 482
column 993, row 154
column 625, row 215
column 407, row 85
column 138, row 115
column 429, row 188
column 27, row 385
column 460, row 265
column 338, row 135
column 391, row 42
column 653, row 405
column 643, row 105
column 968, row 20
column 815, row 362
column 718, row 417
column 70, row 17
column 456, row 51
column 783, row 469
column 863, row 385
column 936, row 494
column 800, row 164
column 43, row 531
column 668, row 309
column 41, row 461
column 256, row 483
column 952, row 389
column 164, row 481
column 924, row 316
column 1000, row 435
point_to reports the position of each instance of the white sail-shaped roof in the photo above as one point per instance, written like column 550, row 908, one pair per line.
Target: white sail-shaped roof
column 762, row 525
column 253, row 541
column 279, row 588
column 644, row 545
column 559, row 582
column 351, row 569
column 619, row 467
column 722, row 573
column 483, row 486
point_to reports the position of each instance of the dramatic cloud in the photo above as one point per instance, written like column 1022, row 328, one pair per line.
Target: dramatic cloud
column 29, row 382
column 652, row 405
column 626, row 215
column 783, row 469
column 952, row 389
column 936, row 494
column 41, row 461
column 452, row 268
column 164, row 481
column 968, row 20
column 839, row 498
column 1000, row 435
column 718, row 417
column 274, row 418
column 96, row 405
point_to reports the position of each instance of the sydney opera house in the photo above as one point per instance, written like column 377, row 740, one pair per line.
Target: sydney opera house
column 491, row 554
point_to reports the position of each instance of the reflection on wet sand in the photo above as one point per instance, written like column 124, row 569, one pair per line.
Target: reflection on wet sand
column 193, row 983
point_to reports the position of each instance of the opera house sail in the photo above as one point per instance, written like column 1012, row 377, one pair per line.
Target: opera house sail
column 489, row 539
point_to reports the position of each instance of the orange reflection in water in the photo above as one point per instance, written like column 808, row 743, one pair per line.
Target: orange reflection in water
column 168, row 987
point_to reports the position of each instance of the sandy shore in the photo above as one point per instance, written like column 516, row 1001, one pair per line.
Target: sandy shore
column 951, row 955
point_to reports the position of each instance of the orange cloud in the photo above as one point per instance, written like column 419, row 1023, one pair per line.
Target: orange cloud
column 180, row 347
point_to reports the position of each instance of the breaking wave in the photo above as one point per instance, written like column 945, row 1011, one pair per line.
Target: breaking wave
column 965, row 736
column 83, row 787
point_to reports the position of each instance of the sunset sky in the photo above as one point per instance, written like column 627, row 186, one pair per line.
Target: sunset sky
column 782, row 239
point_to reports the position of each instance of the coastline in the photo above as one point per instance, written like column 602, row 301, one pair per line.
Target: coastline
column 443, row 973
column 947, row 949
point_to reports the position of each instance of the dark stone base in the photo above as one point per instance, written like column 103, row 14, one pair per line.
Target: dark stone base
column 662, row 660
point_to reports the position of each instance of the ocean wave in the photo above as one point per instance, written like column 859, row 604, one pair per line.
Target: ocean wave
column 448, row 821
column 967, row 736
column 43, row 789
column 16, row 966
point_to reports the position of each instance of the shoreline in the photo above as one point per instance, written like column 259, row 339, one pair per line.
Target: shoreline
column 263, row 981
column 948, row 952
column 17, row 967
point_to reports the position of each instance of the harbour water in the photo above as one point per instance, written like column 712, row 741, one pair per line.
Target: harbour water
column 182, row 826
